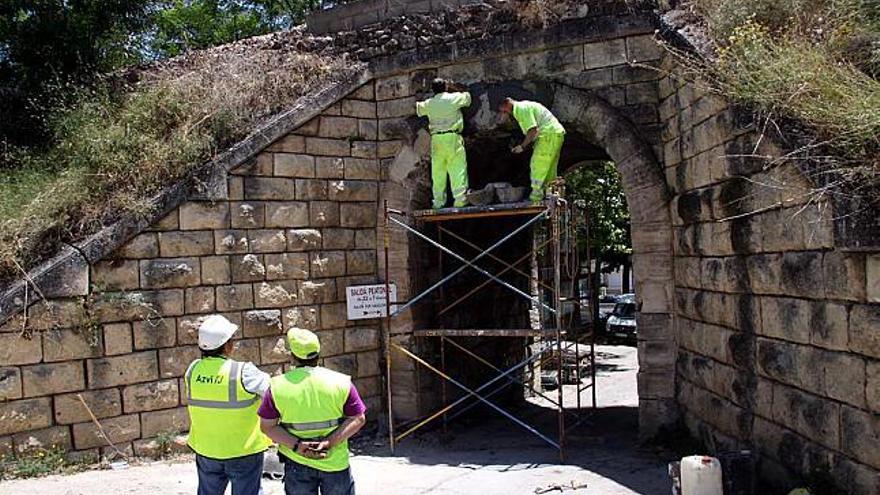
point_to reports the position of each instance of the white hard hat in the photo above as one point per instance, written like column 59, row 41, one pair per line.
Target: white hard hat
column 214, row 331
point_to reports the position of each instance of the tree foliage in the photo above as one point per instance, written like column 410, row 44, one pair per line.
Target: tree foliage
column 598, row 184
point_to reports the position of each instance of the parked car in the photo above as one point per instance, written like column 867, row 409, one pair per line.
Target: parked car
column 621, row 322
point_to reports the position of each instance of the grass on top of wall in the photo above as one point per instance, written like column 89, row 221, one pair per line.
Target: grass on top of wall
column 113, row 150
column 816, row 61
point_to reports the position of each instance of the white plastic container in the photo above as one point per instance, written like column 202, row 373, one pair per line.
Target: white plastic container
column 701, row 475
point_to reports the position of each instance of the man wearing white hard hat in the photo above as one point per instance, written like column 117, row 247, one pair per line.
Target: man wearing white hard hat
column 223, row 396
column 311, row 412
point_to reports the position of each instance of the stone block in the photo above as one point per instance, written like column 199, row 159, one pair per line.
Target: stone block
column 198, row 215
column 365, row 92
column 642, row 48
column 57, row 437
column 259, row 165
column 103, row 403
column 311, row 189
column 10, row 384
column 25, row 415
column 168, row 222
column 260, row 323
column 864, row 322
column 169, row 421
column 287, row 266
column 327, row 263
column 362, row 262
column 872, row 387
column 301, row 317
column 344, row 363
column 399, row 86
column 294, row 165
column 334, row 315
column 844, row 377
column 215, row 270
column 119, row 429
column 199, row 300
column 765, row 273
column 304, row 239
column 786, row 319
column 400, row 107
column 128, row 306
column 829, row 325
column 329, row 167
column 269, row 188
column 122, row 370
column 274, row 350
column 872, row 274
column 368, row 363
column 144, row 245
column 338, row 127
column 248, row 268
column 779, row 360
column 359, row 108
column 639, row 93
column 174, row 361
column 362, row 169
column 246, row 350
column 166, row 273
column 845, row 275
column 338, row 239
column 317, row 291
column 56, row 378
column 287, row 214
column 235, row 188
column 150, row 396
column 15, row 349
column 65, row 345
column 369, row 130
column 154, row 333
column 54, row 313
column 188, row 329
column 860, row 435
column 353, row 190
column 357, row 214
column 231, row 241
column 178, row 244
column 365, row 239
column 251, row 215
column 365, row 149
column 327, row 147
column 276, row 294
column 115, row 275
column 288, row 144
column 235, row 297
column 331, row 342
column 361, row 339
column 802, row 274
column 324, row 214
column 267, row 241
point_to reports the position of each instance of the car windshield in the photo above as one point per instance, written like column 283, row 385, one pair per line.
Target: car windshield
column 624, row 310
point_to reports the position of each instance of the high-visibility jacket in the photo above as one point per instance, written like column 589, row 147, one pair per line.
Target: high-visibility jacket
column 223, row 415
column 529, row 114
column 311, row 402
column 444, row 111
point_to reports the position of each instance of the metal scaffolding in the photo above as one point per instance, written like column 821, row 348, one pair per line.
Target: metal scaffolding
column 554, row 235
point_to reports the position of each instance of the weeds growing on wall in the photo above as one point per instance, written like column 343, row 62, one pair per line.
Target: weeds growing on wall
column 817, row 61
column 116, row 149
column 37, row 462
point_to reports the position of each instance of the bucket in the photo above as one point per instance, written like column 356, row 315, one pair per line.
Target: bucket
column 701, row 475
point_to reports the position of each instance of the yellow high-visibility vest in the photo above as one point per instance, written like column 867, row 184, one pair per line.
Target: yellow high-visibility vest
column 311, row 402
column 223, row 415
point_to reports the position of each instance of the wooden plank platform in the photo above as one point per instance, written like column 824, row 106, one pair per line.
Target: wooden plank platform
column 499, row 210
column 482, row 332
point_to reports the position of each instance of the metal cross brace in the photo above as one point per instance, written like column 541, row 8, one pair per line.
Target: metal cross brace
column 471, row 263
column 476, row 395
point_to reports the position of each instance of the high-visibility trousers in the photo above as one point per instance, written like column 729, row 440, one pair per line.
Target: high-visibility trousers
column 448, row 158
column 544, row 164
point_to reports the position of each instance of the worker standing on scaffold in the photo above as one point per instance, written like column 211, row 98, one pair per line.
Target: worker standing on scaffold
column 448, row 157
column 541, row 127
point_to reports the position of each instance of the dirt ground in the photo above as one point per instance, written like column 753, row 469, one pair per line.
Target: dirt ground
column 479, row 456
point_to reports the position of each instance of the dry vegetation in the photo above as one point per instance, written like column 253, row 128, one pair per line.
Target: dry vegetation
column 117, row 148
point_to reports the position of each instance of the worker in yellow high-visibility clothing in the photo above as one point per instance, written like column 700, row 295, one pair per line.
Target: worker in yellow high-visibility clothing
column 223, row 396
column 448, row 157
column 541, row 128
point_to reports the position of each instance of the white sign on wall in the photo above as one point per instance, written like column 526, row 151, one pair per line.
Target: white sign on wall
column 368, row 301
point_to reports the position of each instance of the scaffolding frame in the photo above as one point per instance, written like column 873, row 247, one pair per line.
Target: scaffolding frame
column 555, row 211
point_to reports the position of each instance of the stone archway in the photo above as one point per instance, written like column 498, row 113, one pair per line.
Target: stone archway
column 646, row 193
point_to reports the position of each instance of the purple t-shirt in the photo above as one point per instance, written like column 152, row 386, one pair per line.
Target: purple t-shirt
column 354, row 406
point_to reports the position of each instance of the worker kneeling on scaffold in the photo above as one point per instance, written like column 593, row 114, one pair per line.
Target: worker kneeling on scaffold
column 448, row 157
column 311, row 412
column 222, row 399
column 542, row 128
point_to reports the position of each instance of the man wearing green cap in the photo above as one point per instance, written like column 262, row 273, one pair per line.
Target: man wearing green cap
column 311, row 412
column 448, row 157
column 542, row 128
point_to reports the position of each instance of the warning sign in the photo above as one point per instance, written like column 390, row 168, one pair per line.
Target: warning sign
column 368, row 301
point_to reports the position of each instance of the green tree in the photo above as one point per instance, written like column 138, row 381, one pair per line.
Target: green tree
column 48, row 45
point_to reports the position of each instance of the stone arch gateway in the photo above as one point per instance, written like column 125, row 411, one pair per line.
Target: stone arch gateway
column 760, row 322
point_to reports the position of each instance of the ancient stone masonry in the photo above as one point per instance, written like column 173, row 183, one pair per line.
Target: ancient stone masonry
column 759, row 323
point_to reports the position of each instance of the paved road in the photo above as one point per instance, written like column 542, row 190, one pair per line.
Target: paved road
column 480, row 456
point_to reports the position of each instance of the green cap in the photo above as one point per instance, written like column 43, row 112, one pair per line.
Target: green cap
column 303, row 343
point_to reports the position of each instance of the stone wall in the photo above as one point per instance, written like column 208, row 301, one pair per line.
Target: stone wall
column 777, row 326
column 353, row 15
column 296, row 228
